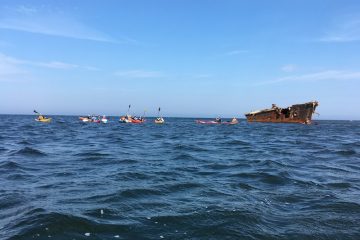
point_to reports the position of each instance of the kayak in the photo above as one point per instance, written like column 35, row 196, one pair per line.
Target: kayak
column 159, row 121
column 137, row 121
column 43, row 120
column 131, row 119
column 230, row 123
column 206, row 122
column 121, row 120
column 214, row 122
column 86, row 119
column 124, row 120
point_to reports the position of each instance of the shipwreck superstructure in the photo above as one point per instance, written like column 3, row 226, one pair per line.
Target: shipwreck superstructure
column 297, row 113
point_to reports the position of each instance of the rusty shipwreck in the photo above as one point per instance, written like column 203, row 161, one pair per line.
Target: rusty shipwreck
column 297, row 113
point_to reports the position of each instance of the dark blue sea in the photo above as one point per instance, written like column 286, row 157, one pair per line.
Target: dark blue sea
column 181, row 180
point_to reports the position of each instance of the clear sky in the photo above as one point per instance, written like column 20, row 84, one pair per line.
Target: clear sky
column 202, row 58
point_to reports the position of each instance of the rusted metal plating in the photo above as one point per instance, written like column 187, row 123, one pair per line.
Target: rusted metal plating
column 297, row 113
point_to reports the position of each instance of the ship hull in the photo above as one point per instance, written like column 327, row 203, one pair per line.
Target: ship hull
column 298, row 113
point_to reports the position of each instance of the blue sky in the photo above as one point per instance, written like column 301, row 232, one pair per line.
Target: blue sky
column 192, row 58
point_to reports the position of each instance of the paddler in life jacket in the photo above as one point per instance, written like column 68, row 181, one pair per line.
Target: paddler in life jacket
column 41, row 117
column 218, row 120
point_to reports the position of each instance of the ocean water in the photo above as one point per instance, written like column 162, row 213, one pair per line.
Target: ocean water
column 180, row 180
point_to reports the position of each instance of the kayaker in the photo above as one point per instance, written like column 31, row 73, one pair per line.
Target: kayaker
column 234, row 120
column 41, row 117
column 218, row 120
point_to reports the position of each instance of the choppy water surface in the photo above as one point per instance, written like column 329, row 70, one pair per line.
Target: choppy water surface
column 68, row 180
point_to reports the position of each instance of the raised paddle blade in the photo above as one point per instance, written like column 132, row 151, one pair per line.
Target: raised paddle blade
column 127, row 113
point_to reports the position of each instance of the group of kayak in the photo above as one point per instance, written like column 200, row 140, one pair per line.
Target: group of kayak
column 135, row 119
column 103, row 119
column 94, row 119
column 141, row 119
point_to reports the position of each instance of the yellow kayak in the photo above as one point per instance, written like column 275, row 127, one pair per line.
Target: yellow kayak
column 43, row 120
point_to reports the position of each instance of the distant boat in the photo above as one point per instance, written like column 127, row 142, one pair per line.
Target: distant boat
column 297, row 113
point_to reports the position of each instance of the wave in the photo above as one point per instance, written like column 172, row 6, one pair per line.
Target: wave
column 91, row 154
column 274, row 179
column 10, row 200
column 183, row 186
column 39, row 224
column 134, row 176
column 347, row 152
column 271, row 164
column 184, row 147
column 339, row 185
column 218, row 166
column 184, row 156
column 237, row 143
column 211, row 224
column 141, row 192
column 24, row 142
column 10, row 165
column 28, row 151
column 335, row 207
column 124, row 195
column 178, row 181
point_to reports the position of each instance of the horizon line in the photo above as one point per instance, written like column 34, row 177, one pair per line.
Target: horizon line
column 72, row 115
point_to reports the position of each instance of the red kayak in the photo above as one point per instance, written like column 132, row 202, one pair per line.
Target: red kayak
column 137, row 121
